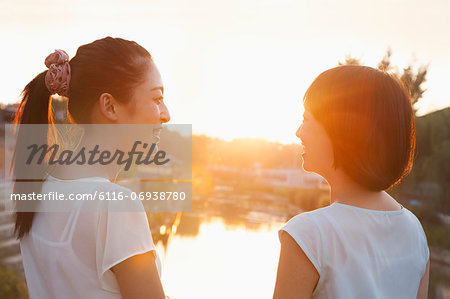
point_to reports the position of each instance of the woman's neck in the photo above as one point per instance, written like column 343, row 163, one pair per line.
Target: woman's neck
column 345, row 191
column 76, row 171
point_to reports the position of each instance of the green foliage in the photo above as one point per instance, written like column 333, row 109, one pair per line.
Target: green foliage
column 12, row 286
column 437, row 235
column 432, row 162
column 426, row 214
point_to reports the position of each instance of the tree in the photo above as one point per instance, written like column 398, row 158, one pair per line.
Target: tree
column 413, row 81
column 349, row 60
column 385, row 64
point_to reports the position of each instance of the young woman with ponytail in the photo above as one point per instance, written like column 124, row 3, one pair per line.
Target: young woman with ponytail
column 90, row 255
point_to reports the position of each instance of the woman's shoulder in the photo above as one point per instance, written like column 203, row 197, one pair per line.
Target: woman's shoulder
column 308, row 231
column 311, row 217
column 415, row 222
column 308, row 223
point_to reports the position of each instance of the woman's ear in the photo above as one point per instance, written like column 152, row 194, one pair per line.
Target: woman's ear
column 108, row 106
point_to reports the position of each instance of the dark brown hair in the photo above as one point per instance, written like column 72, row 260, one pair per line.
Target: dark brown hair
column 111, row 65
column 369, row 118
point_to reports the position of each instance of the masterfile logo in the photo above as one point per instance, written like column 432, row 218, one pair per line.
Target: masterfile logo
column 151, row 164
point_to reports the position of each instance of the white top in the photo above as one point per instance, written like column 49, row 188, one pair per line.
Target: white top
column 362, row 253
column 70, row 254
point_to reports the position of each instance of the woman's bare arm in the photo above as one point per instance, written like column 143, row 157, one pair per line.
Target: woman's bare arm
column 297, row 277
column 138, row 277
column 422, row 293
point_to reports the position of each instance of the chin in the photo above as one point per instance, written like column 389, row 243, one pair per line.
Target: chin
column 306, row 169
column 305, row 166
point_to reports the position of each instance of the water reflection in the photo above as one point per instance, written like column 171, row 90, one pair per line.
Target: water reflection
column 237, row 210
column 208, row 258
column 227, row 248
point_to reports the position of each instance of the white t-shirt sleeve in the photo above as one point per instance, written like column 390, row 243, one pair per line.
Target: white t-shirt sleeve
column 119, row 236
column 305, row 231
column 424, row 244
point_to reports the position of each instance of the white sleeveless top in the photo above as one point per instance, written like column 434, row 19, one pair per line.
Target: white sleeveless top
column 362, row 253
column 70, row 254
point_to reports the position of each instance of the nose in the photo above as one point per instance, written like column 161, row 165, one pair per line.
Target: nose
column 299, row 131
column 164, row 114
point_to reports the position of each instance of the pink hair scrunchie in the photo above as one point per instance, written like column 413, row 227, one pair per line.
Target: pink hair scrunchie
column 57, row 78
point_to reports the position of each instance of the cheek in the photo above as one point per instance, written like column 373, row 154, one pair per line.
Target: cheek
column 319, row 145
column 304, row 133
column 149, row 113
column 326, row 149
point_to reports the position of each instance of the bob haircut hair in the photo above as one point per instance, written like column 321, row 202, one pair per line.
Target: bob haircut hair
column 369, row 118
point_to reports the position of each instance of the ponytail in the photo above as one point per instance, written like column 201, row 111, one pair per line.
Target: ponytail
column 33, row 109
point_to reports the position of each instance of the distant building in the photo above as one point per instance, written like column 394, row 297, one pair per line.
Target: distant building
column 290, row 177
column 293, row 178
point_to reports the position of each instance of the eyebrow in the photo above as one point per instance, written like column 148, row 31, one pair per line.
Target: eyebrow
column 158, row 87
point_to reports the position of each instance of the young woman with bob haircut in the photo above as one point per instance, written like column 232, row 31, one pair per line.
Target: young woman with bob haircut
column 358, row 134
column 88, row 254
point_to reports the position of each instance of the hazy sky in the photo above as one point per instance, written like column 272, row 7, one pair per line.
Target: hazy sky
column 234, row 68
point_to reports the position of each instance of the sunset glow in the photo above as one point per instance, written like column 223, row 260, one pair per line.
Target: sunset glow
column 234, row 68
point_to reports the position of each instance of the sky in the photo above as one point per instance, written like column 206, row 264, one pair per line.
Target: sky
column 235, row 68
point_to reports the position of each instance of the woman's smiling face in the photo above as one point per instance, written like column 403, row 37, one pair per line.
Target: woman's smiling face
column 147, row 103
column 318, row 153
